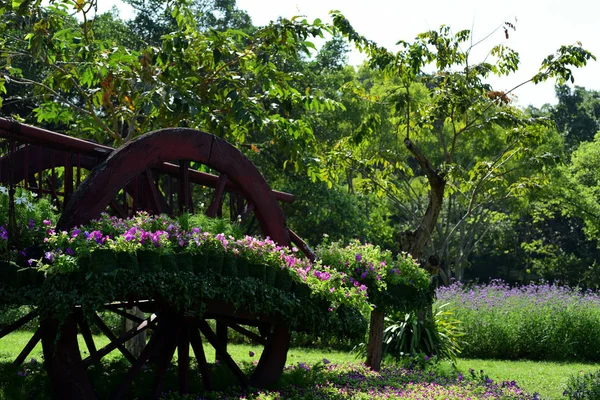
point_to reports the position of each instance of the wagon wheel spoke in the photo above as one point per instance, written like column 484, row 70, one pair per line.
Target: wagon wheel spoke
column 135, row 369
column 183, row 358
column 272, row 360
column 196, row 342
column 18, row 323
column 84, row 328
column 118, row 209
column 158, row 202
column 183, row 196
column 125, row 314
column 214, row 209
column 111, row 336
column 301, row 244
column 37, row 336
column 221, row 351
column 240, row 329
column 165, row 356
column 147, row 323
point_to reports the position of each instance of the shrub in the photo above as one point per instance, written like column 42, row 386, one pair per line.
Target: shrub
column 583, row 387
column 536, row 321
column 405, row 335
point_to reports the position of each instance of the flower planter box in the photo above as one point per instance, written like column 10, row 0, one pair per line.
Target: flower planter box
column 215, row 262
column 301, row 290
column 270, row 275
column 199, row 263
column 128, row 261
column 229, row 268
column 257, row 271
column 103, row 260
column 149, row 261
column 283, row 280
column 184, row 262
column 169, row 262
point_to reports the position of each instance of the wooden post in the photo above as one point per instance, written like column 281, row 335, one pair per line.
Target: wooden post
column 138, row 342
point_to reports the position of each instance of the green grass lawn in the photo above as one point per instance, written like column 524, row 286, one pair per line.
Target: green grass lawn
column 546, row 378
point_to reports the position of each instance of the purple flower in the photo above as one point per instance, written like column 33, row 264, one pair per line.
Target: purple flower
column 326, row 361
column 70, row 251
column 30, row 261
column 47, row 222
column 3, row 233
column 49, row 256
column 31, row 224
column 304, row 366
column 358, row 257
column 251, row 353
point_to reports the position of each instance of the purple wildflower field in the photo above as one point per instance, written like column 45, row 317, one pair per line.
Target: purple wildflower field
column 538, row 321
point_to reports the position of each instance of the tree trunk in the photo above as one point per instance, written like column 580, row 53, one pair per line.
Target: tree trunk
column 412, row 242
column 374, row 349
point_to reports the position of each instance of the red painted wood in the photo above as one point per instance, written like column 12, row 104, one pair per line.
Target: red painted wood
column 67, row 178
column 108, row 333
column 196, row 342
column 214, row 209
column 157, row 147
column 37, row 336
column 18, row 323
column 151, row 348
column 63, row 360
column 84, row 328
column 183, row 358
column 272, row 361
column 183, row 197
column 47, row 140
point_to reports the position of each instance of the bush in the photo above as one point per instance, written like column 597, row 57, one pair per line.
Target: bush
column 405, row 335
column 536, row 322
column 583, row 387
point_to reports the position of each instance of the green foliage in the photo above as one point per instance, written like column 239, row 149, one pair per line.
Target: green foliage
column 29, row 227
column 583, row 387
column 390, row 283
column 577, row 114
column 407, row 336
column 225, row 81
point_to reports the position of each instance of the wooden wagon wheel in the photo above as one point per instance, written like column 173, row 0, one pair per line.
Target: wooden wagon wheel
column 66, row 368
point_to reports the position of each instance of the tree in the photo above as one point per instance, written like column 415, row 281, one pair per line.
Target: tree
column 577, row 114
column 437, row 114
column 228, row 82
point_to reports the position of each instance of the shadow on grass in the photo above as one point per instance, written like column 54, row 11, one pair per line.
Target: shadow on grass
column 302, row 381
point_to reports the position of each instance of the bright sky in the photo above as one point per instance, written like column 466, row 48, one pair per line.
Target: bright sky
column 541, row 27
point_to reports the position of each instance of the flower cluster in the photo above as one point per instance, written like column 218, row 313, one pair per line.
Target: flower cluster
column 28, row 229
column 165, row 236
column 356, row 381
column 370, row 269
